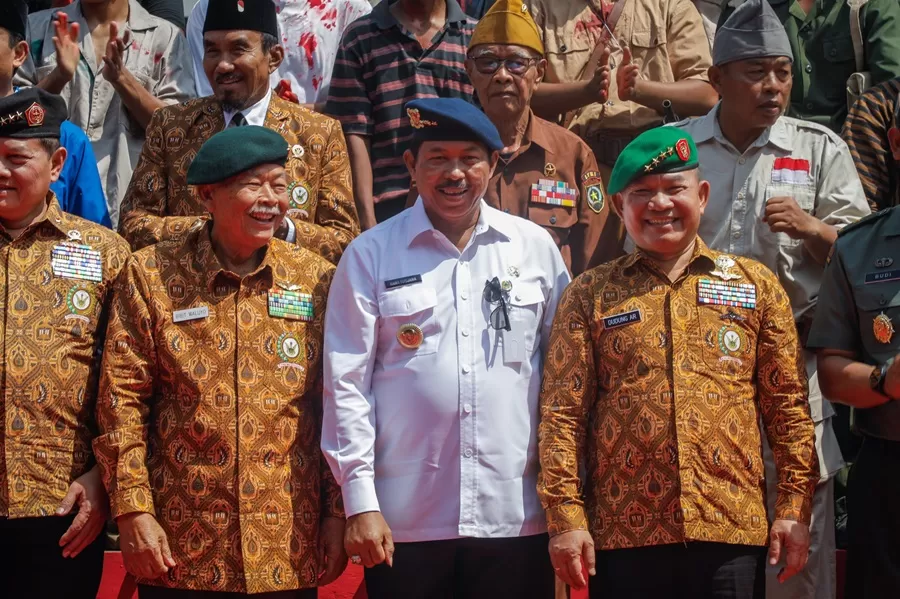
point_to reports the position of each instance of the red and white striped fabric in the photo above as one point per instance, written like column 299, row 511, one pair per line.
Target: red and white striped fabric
column 789, row 170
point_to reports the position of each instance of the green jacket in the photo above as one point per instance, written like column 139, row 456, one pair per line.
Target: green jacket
column 823, row 52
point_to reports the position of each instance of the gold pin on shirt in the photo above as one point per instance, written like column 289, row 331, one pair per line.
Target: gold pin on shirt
column 410, row 336
column 883, row 328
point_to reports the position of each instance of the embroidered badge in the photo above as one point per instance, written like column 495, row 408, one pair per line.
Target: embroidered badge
column 724, row 264
column 595, row 198
column 792, row 171
column 289, row 347
column 71, row 260
column 557, row 193
column 416, row 120
column 402, row 281
column 730, row 340
column 883, row 328
column 34, row 115
column 291, row 305
column 882, row 277
column 297, row 151
column 79, row 301
column 298, row 194
column 736, row 295
column 410, row 336
column 683, row 149
column 620, row 320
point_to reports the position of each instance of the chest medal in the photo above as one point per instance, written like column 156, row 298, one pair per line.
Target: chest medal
column 883, row 328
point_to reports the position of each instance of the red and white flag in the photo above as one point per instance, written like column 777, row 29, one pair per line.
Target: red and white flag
column 789, row 170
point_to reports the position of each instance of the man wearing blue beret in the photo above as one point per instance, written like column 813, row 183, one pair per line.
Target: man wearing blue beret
column 211, row 395
column 436, row 330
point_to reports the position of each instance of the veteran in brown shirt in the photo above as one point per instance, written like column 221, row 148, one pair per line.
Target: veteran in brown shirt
column 57, row 276
column 241, row 50
column 211, row 389
column 660, row 366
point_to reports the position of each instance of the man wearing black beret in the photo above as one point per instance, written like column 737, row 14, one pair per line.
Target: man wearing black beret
column 242, row 50
column 56, row 275
column 211, row 395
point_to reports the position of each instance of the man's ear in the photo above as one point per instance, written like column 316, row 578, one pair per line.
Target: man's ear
column 57, row 161
column 894, row 142
column 20, row 55
column 410, row 160
column 715, row 78
column 205, row 193
column 276, row 56
column 616, row 201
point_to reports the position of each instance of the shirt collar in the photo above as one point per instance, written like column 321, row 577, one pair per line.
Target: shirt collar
column 207, row 262
column 701, row 253
column 383, row 17
column 892, row 228
column 53, row 217
column 488, row 218
column 538, row 133
column 255, row 115
column 138, row 17
column 708, row 128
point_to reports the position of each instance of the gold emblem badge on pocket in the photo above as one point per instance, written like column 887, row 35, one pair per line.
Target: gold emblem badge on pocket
column 883, row 328
column 410, row 336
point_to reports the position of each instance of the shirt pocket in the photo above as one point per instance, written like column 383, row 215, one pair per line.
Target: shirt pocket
column 649, row 51
column 526, row 311
column 804, row 195
column 408, row 306
column 838, row 53
column 553, row 218
column 727, row 342
column 873, row 301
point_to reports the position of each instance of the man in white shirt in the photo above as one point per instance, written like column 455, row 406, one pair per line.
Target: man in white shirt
column 436, row 327
column 311, row 32
column 781, row 190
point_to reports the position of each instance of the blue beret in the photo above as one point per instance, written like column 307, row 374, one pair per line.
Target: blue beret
column 235, row 150
column 451, row 119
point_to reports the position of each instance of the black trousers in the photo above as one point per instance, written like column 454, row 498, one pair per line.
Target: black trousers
column 150, row 592
column 466, row 569
column 873, row 522
column 694, row 571
column 33, row 564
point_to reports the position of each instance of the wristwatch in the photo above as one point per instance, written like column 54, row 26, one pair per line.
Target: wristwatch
column 878, row 377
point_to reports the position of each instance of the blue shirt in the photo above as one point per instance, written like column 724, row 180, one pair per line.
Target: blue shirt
column 78, row 188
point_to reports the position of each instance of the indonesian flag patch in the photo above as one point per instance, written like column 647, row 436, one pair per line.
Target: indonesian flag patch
column 793, row 171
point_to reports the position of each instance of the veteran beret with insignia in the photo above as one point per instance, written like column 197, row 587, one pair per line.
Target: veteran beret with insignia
column 32, row 113
column 248, row 15
column 235, row 150
column 657, row 151
column 508, row 22
column 451, row 119
column 14, row 17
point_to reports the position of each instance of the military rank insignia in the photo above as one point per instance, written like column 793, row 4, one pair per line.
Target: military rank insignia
column 298, row 194
column 291, row 305
column 556, row 193
column 883, row 328
column 290, row 348
column 74, row 260
column 79, row 301
column 593, row 190
column 718, row 293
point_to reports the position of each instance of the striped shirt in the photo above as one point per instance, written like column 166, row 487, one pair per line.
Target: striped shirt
column 865, row 132
column 380, row 67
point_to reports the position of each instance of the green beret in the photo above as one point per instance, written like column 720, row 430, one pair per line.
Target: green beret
column 235, row 150
column 653, row 152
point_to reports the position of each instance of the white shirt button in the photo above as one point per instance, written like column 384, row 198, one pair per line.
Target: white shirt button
column 465, row 332
column 465, row 369
column 468, row 452
column 464, row 295
column 737, row 234
column 467, row 408
column 742, row 161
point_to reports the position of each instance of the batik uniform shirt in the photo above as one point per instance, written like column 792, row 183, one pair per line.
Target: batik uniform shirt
column 57, row 278
column 160, row 205
column 211, row 410
column 657, row 388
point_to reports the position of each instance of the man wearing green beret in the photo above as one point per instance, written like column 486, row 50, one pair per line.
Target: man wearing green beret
column 660, row 365
column 211, row 395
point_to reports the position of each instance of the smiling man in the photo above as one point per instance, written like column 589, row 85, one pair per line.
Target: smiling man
column 781, row 189
column 437, row 325
column 241, row 51
column 211, row 385
column 660, row 365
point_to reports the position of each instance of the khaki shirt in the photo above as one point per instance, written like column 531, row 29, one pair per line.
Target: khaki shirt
column 158, row 58
column 666, row 37
column 651, row 400
column 740, row 185
column 53, row 324
column 210, row 413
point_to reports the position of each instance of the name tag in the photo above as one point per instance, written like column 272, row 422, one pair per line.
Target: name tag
column 882, row 277
column 620, row 320
column 402, row 281
column 514, row 346
column 190, row 314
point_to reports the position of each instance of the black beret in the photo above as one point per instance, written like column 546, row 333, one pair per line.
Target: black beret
column 235, row 150
column 451, row 119
column 14, row 16
column 32, row 113
column 250, row 15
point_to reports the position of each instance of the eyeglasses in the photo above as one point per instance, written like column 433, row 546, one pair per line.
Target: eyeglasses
column 488, row 65
column 493, row 293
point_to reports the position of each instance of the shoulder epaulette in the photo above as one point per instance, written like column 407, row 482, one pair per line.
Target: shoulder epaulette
column 864, row 221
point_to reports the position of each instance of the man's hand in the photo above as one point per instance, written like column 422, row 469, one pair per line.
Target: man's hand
column 88, row 493
column 114, row 61
column 144, row 546
column 627, row 77
column 784, row 215
column 597, row 88
column 67, row 51
column 332, row 557
column 791, row 539
column 566, row 553
column 369, row 537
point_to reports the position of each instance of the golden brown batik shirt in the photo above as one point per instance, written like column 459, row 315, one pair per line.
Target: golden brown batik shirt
column 210, row 412
column 160, row 205
column 53, row 321
column 658, row 395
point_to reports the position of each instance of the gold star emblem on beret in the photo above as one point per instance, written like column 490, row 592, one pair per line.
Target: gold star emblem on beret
column 659, row 158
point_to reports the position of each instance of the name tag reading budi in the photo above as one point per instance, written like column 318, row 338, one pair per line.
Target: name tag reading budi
column 620, row 320
column 190, row 314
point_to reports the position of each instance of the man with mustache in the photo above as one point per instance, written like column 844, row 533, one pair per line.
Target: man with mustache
column 781, row 189
column 211, row 395
column 661, row 365
column 241, row 50
column 436, row 331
